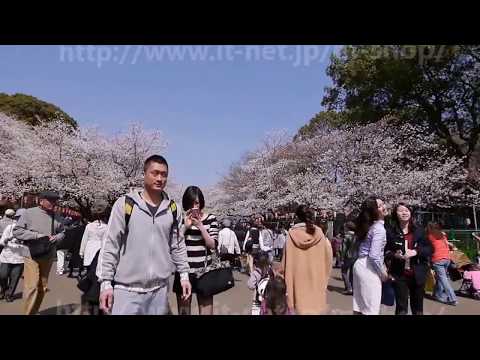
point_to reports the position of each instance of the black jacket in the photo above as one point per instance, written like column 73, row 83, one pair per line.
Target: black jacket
column 75, row 235
column 420, row 263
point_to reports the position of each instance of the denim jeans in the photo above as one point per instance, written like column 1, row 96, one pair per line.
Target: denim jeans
column 443, row 289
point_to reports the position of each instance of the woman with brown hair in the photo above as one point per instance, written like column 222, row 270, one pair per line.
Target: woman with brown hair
column 369, row 270
column 443, row 291
column 307, row 264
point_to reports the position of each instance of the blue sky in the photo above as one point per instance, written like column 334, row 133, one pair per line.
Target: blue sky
column 211, row 112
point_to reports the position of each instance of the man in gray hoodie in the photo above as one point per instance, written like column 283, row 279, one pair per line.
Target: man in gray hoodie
column 39, row 228
column 142, row 247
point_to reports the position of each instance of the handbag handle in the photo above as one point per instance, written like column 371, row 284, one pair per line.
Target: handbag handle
column 53, row 225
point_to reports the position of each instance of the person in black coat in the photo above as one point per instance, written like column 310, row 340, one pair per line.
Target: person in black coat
column 75, row 234
column 407, row 255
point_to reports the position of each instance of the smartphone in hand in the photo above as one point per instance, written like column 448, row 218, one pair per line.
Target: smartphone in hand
column 195, row 212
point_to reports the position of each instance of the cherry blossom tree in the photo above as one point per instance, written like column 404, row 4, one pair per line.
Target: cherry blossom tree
column 339, row 167
column 82, row 164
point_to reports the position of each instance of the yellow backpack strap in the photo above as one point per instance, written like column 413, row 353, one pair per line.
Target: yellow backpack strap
column 173, row 208
column 129, row 204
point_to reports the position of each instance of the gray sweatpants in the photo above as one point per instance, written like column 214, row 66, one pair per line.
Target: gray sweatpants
column 132, row 303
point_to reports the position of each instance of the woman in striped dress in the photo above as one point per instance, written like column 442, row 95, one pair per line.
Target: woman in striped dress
column 201, row 235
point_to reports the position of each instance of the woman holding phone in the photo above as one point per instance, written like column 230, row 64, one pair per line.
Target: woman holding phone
column 201, row 235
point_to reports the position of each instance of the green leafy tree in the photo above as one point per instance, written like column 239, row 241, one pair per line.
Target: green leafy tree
column 436, row 85
column 31, row 110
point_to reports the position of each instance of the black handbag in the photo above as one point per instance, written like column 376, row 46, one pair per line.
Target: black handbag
column 215, row 278
column 84, row 284
column 88, row 283
column 41, row 247
column 388, row 294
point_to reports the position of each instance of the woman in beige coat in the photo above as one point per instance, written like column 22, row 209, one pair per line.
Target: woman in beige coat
column 307, row 264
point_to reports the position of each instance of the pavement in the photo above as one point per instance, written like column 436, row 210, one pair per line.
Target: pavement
column 64, row 299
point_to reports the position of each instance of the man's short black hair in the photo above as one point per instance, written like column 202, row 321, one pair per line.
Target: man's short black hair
column 154, row 158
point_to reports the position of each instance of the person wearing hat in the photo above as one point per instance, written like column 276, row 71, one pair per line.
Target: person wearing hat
column 11, row 258
column 6, row 221
column 39, row 228
column 228, row 245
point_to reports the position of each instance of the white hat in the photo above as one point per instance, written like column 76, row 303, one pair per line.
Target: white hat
column 10, row 212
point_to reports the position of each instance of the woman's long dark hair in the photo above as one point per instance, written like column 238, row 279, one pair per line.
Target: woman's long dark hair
column 396, row 221
column 368, row 215
column 305, row 214
column 276, row 296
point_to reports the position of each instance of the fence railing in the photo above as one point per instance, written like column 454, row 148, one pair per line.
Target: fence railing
column 467, row 241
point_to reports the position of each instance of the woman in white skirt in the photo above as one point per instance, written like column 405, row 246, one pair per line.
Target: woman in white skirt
column 93, row 236
column 369, row 270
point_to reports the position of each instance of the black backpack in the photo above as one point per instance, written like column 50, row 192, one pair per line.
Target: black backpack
column 254, row 239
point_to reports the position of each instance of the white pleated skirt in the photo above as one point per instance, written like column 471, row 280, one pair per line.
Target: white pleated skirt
column 367, row 288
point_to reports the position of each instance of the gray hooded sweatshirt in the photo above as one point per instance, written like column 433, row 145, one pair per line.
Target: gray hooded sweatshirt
column 144, row 257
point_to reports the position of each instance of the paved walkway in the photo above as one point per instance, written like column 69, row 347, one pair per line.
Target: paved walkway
column 64, row 298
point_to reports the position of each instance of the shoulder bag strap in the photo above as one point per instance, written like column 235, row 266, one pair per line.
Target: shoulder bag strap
column 53, row 225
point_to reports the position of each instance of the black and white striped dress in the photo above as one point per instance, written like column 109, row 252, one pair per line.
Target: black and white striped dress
column 196, row 247
column 196, row 243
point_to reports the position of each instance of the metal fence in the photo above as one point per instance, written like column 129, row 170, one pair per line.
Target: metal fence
column 467, row 241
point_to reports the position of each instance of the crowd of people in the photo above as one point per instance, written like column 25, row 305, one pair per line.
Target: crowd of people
column 127, row 254
column 397, row 255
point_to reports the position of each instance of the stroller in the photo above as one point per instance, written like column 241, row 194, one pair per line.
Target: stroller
column 467, row 271
column 471, row 282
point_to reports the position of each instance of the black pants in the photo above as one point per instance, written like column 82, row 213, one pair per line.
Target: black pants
column 347, row 273
column 404, row 287
column 9, row 276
